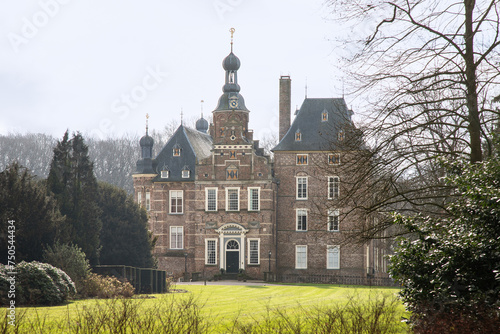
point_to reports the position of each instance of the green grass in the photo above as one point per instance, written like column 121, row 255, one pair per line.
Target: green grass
column 221, row 305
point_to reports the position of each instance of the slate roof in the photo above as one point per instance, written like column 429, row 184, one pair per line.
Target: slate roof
column 316, row 134
column 194, row 145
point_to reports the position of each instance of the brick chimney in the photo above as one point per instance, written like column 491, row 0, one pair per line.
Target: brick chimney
column 285, row 102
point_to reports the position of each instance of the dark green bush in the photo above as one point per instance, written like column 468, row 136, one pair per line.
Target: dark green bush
column 106, row 287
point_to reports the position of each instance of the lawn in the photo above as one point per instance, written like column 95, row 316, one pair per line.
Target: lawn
column 219, row 306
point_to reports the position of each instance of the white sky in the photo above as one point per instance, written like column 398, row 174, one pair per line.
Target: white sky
column 69, row 64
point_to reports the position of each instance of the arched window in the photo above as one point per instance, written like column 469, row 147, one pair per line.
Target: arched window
column 233, row 244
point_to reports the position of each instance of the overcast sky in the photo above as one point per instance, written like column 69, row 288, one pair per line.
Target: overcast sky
column 99, row 66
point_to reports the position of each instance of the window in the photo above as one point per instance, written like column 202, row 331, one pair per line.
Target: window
column 334, row 159
column 298, row 136
column 333, row 187
column 185, row 173
column 300, row 257
column 148, row 201
column 232, row 173
column 232, row 199
column 176, row 237
column 164, row 174
column 177, row 151
column 139, row 198
column 333, row 220
column 232, row 154
column 253, row 199
column 324, row 116
column 301, row 220
column 301, row 159
column 253, row 251
column 332, row 257
column 176, row 201
column 210, row 251
column 211, row 199
column 302, row 187
column 341, row 135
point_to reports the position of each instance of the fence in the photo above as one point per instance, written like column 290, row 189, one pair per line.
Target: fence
column 332, row 279
column 144, row 280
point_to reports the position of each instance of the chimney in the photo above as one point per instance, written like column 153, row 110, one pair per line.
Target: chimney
column 285, row 104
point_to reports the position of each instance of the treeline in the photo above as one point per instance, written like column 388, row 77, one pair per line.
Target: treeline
column 69, row 207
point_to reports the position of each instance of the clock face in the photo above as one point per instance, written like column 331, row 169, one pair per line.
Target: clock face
column 233, row 103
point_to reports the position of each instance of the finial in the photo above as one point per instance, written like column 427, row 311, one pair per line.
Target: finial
column 306, row 87
column 181, row 116
column 202, row 108
column 147, row 117
column 232, row 30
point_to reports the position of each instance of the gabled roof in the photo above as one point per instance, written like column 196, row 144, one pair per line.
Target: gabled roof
column 316, row 134
column 194, row 145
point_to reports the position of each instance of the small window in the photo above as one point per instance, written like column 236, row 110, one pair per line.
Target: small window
column 333, row 221
column 148, row 201
column 298, row 136
column 341, row 135
column 334, row 159
column 232, row 199
column 324, row 116
column 332, row 257
column 301, row 159
column 232, row 154
column 177, row 152
column 232, row 244
column 176, row 199
column 300, row 257
column 139, row 198
column 302, row 187
column 185, row 174
column 301, row 220
column 176, row 237
column 333, row 187
column 253, row 251
column 210, row 251
column 232, row 173
column 253, row 199
column 164, row 174
column 211, row 199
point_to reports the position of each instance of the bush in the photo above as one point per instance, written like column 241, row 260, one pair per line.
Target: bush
column 106, row 287
column 71, row 259
column 38, row 284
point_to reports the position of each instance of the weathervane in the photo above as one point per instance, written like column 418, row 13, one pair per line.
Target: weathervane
column 202, row 108
column 232, row 30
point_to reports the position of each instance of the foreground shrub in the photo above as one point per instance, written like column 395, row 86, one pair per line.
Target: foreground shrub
column 106, row 287
column 38, row 284
column 71, row 259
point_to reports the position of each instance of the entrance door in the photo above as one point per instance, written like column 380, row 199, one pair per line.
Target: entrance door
column 232, row 257
column 232, row 262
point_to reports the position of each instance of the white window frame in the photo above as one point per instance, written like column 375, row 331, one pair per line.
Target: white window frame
column 171, row 193
column 302, row 266
column 174, row 233
column 207, row 251
column 185, row 173
column 300, row 213
column 139, row 198
column 165, row 174
column 227, row 198
column 250, row 199
column 297, row 194
column 332, row 194
column 249, row 251
column 333, row 214
column 148, row 201
column 334, row 256
column 207, row 199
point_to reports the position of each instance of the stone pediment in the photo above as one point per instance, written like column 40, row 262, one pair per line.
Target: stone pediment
column 231, row 228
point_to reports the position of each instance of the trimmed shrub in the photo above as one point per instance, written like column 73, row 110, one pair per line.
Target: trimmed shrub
column 106, row 287
column 38, row 284
column 71, row 259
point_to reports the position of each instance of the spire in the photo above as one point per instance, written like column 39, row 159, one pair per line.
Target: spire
column 232, row 30
column 201, row 107
column 181, row 117
column 147, row 117
column 306, row 87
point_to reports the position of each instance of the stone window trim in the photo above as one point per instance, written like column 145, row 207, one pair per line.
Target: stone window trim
column 332, row 257
column 176, row 204
column 211, row 251
column 211, row 199
column 253, row 251
column 300, row 256
column 233, row 204
column 253, row 198
column 301, row 220
column 176, row 237
column 301, row 187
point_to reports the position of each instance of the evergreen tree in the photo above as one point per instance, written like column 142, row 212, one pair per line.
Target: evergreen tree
column 71, row 179
column 124, row 236
column 34, row 215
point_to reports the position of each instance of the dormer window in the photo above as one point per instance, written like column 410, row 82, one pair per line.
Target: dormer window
column 165, row 174
column 324, row 116
column 185, row 172
column 177, row 150
column 298, row 136
column 341, row 135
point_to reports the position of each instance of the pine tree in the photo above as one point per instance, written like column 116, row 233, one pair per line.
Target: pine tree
column 72, row 181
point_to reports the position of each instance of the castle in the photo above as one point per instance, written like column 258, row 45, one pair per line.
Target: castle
column 217, row 202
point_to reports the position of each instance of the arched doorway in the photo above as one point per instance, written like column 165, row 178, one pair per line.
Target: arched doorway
column 232, row 256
